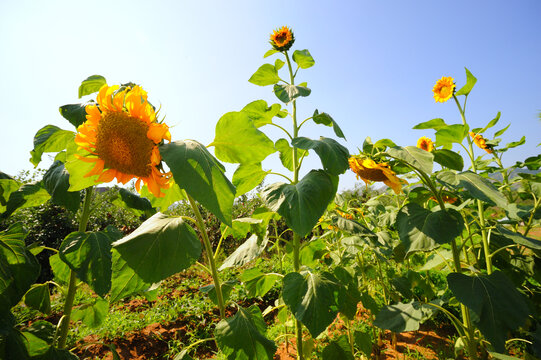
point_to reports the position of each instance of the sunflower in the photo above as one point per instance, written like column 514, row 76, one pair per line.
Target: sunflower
column 345, row 215
column 368, row 170
column 425, row 143
column 282, row 39
column 121, row 135
column 444, row 89
column 481, row 142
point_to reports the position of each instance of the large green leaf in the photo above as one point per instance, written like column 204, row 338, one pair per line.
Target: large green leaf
column 435, row 124
column 172, row 195
column 7, row 186
column 302, row 204
column 74, row 113
column 507, row 236
column 78, row 168
column 56, row 182
column 338, row 349
column 404, row 317
column 327, row 120
column 18, row 267
column 475, row 185
column 470, row 82
column 28, row 195
column 89, row 255
column 124, row 281
column 449, row 159
column 450, row 134
column 38, row 298
column 160, row 247
column 237, row 140
column 423, row 230
column 312, row 298
column 419, row 158
column 286, row 153
column 258, row 283
column 241, row 337
column 288, row 93
column 240, row 228
column 260, row 113
column 38, row 337
column 91, row 84
column 303, row 59
column 61, row 270
column 265, row 75
column 248, row 251
column 92, row 314
column 50, row 138
column 247, row 177
column 499, row 306
column 334, row 156
column 201, row 175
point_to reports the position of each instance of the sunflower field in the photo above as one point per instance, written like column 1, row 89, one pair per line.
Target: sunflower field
column 447, row 247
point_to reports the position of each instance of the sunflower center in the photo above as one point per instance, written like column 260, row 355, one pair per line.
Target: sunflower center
column 446, row 91
column 281, row 38
column 373, row 174
column 123, row 145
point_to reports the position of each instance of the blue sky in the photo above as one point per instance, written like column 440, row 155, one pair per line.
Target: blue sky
column 376, row 64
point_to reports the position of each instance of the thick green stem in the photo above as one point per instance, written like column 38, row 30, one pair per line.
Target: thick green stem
column 210, row 255
column 72, row 285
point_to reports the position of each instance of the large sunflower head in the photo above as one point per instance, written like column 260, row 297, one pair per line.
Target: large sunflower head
column 121, row 135
column 282, row 39
column 444, row 89
column 481, row 142
column 368, row 170
column 425, row 143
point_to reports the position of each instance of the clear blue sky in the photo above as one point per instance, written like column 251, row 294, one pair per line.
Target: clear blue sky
column 376, row 64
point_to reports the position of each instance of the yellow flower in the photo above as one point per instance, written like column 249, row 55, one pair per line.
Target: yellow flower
column 282, row 39
column 121, row 136
column 425, row 143
column 345, row 215
column 481, row 142
column 368, row 170
column 444, row 89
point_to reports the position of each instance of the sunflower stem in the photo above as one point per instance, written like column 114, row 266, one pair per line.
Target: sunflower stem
column 72, row 285
column 210, row 255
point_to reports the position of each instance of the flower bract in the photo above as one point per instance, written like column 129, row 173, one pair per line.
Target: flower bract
column 282, row 39
column 121, row 137
column 481, row 142
column 425, row 143
column 368, row 170
column 444, row 89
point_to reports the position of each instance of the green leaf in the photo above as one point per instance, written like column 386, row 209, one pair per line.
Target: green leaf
column 18, row 267
column 338, row 349
column 260, row 113
column 172, row 195
column 348, row 295
column 91, row 84
column 38, row 298
column 302, row 204
column 384, row 143
column 201, row 175
column 56, row 182
column 160, row 247
column 403, row 317
column 237, row 140
column 258, row 283
column 475, row 185
column 240, row 228
column 500, row 132
column 210, row 290
column 334, row 156
column 124, row 280
column 288, row 93
column 241, row 337
column 450, row 134
column 278, row 64
column 312, row 299
column 50, row 138
column 327, row 120
column 449, row 159
column 303, row 59
column 363, row 341
column 516, row 143
column 499, row 356
column 435, row 124
column 265, row 75
column 286, row 153
column 489, row 125
column 134, row 201
column 248, row 251
column 38, row 337
column 61, row 270
column 8, row 185
column 89, row 255
column 247, row 177
column 419, row 158
column 270, row 52
column 470, row 82
column 422, row 230
column 28, row 195
column 499, row 306
column 93, row 314
column 74, row 113
column 78, row 168
column 508, row 236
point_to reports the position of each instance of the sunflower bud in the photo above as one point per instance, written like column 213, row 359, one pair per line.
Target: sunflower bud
column 282, row 39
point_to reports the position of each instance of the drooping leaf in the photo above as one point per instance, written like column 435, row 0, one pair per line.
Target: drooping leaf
column 56, row 182
column 28, row 195
column 201, row 175
column 74, row 113
column 470, row 82
column 237, row 140
column 302, row 204
column 136, row 202
column 248, row 251
column 404, row 317
column 49, row 138
column 7, row 186
column 423, row 230
column 38, row 337
column 449, row 159
column 91, row 85
column 507, row 236
column 514, row 144
column 78, row 169
column 92, row 314
column 241, row 337
column 338, row 349
column 363, row 340
column 258, row 283
column 475, row 185
column 288, row 93
column 499, row 306
column 124, row 280
column 334, row 156
column 247, row 177
column 38, row 298
column 435, row 124
column 312, row 299
column 260, row 113
column 265, row 75
column 327, row 120
column 286, row 153
column 303, row 59
column 419, row 158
